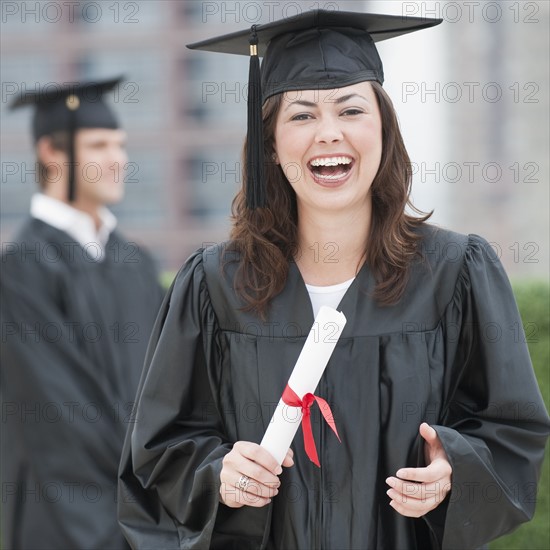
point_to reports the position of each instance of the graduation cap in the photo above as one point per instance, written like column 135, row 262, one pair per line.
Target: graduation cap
column 318, row 49
column 69, row 107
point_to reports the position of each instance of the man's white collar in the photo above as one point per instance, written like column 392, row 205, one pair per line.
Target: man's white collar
column 79, row 225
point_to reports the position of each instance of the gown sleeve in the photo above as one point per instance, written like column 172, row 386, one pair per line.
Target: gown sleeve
column 494, row 422
column 172, row 457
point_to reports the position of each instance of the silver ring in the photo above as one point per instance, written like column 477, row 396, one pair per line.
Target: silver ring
column 243, row 482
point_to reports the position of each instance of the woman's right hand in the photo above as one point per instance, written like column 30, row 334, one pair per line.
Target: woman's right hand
column 249, row 475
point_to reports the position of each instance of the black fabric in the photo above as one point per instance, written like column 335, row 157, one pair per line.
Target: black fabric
column 51, row 111
column 318, row 49
column 255, row 182
column 74, row 335
column 214, row 374
column 320, row 59
column 71, row 153
column 378, row 25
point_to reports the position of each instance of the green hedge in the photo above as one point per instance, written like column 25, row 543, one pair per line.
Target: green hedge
column 533, row 298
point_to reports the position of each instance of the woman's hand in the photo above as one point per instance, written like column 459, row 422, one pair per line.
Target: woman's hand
column 420, row 490
column 249, row 475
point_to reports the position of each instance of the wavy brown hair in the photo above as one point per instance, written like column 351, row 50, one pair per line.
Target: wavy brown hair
column 265, row 239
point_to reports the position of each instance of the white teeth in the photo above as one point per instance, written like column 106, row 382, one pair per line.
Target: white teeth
column 331, row 161
column 334, row 177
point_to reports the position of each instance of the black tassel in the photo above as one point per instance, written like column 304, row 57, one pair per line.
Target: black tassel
column 255, row 183
column 73, row 103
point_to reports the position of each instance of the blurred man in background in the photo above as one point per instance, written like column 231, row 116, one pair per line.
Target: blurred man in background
column 78, row 302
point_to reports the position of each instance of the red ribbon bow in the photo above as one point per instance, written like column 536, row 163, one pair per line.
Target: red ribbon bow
column 291, row 398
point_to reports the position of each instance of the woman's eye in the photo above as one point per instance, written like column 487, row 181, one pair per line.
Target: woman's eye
column 301, row 116
column 351, row 112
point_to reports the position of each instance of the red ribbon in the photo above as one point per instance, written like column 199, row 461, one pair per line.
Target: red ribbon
column 291, row 398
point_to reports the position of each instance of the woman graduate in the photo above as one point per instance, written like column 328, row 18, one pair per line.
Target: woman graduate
column 442, row 426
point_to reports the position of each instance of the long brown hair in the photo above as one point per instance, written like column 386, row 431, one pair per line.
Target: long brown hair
column 265, row 239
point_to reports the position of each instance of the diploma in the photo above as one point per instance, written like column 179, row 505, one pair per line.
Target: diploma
column 307, row 372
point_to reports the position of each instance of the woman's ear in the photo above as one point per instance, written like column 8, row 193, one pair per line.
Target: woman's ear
column 275, row 158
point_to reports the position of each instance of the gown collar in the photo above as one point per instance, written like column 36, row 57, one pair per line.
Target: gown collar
column 295, row 295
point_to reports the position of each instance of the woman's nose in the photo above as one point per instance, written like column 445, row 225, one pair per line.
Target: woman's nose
column 328, row 131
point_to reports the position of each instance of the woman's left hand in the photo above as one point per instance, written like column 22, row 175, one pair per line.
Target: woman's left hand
column 417, row 491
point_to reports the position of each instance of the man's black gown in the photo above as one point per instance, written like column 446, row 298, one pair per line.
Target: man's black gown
column 448, row 353
column 74, row 335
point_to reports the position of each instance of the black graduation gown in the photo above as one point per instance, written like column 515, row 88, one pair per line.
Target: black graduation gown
column 445, row 354
column 74, row 335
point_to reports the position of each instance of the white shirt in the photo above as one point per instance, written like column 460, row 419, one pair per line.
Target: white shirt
column 327, row 295
column 79, row 225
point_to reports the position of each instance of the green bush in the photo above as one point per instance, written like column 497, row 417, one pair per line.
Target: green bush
column 167, row 278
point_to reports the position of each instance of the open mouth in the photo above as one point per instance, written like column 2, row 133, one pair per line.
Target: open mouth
column 330, row 169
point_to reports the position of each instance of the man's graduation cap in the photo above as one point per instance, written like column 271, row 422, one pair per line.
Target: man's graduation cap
column 315, row 50
column 69, row 107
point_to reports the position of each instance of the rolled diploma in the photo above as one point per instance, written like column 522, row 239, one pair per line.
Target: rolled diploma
column 307, row 372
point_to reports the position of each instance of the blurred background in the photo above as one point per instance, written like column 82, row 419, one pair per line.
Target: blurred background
column 472, row 97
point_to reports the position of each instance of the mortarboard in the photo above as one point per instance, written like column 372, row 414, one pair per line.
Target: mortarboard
column 69, row 107
column 318, row 49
